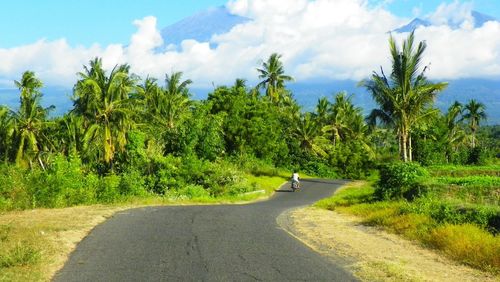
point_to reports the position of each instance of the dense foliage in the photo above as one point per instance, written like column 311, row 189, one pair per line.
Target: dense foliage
column 128, row 136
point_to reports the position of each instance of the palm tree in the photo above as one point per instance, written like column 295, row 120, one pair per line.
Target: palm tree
column 29, row 120
column 308, row 134
column 406, row 95
column 104, row 103
column 341, row 114
column 322, row 108
column 176, row 97
column 474, row 112
column 274, row 77
column 6, row 131
column 454, row 133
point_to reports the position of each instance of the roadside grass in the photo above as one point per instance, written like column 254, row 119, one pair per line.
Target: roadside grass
column 464, row 242
column 34, row 244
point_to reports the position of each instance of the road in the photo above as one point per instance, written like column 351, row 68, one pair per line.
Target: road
column 204, row 243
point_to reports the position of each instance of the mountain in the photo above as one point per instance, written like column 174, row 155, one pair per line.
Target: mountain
column 414, row 24
column 479, row 20
column 201, row 26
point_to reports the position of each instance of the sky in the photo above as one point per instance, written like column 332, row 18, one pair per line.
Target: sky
column 319, row 39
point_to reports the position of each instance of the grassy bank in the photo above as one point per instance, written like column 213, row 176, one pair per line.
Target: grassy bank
column 450, row 217
column 34, row 244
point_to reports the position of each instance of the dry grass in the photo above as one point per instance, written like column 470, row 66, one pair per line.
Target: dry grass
column 460, row 242
column 372, row 254
column 42, row 239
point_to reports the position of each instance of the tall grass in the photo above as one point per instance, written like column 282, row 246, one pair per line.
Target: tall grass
column 468, row 244
column 433, row 222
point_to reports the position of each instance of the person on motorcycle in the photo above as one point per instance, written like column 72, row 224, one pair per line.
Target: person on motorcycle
column 295, row 179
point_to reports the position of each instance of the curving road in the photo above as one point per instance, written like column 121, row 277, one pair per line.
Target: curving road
column 204, row 243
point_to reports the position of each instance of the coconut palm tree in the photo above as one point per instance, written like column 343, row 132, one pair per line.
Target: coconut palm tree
column 6, row 131
column 322, row 108
column 455, row 135
column 474, row 112
column 273, row 74
column 341, row 115
column 176, row 97
column 308, row 133
column 406, row 95
column 104, row 103
column 29, row 120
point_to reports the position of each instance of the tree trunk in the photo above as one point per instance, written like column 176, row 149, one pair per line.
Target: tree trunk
column 473, row 139
column 410, row 148
column 400, row 146
column 404, row 143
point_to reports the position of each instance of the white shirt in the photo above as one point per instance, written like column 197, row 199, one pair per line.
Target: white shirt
column 295, row 177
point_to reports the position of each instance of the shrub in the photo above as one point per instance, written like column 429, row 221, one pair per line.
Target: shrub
column 401, row 180
column 478, row 156
column 14, row 185
column 62, row 184
column 132, row 184
column 318, row 168
column 107, row 189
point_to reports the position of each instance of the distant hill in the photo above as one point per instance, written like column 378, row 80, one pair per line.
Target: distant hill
column 307, row 95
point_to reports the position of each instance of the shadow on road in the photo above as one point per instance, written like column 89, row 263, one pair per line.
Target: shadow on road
column 325, row 181
column 283, row 190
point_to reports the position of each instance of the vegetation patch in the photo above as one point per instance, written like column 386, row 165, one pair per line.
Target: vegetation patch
column 469, row 244
column 463, row 233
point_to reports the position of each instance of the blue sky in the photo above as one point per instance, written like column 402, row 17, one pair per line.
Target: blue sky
column 319, row 39
column 87, row 21
column 110, row 21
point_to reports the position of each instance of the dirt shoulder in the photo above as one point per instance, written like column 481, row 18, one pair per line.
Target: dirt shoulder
column 370, row 253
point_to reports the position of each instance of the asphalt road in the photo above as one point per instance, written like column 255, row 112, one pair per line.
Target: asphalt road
column 204, row 243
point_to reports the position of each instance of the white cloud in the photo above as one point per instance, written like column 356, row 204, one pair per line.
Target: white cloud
column 320, row 39
column 455, row 14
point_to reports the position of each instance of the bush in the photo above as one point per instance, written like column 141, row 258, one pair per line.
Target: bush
column 62, row 184
column 318, row 168
column 132, row 184
column 401, row 180
column 107, row 189
column 478, row 156
column 14, row 185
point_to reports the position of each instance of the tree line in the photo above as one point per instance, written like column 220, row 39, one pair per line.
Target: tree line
column 120, row 120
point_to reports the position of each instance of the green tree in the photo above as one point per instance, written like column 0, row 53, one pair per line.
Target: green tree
column 406, row 95
column 343, row 119
column 6, row 131
column 308, row 133
column 273, row 74
column 176, row 97
column 29, row 120
column 455, row 135
column 474, row 112
column 104, row 103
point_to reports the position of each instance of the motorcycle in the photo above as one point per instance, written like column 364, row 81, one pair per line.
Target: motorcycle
column 295, row 186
